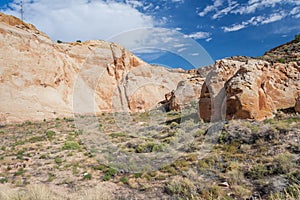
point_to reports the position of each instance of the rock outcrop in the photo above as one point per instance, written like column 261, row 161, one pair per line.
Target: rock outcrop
column 213, row 90
column 253, row 89
column 40, row 79
column 186, row 92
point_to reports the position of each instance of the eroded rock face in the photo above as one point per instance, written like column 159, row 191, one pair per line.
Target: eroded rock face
column 297, row 106
column 187, row 92
column 213, row 91
column 253, row 89
column 40, row 79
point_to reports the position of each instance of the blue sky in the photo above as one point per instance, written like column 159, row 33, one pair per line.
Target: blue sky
column 222, row 27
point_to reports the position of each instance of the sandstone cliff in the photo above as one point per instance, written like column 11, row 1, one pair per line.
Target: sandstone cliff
column 40, row 79
column 248, row 89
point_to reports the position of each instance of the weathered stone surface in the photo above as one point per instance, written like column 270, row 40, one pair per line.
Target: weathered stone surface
column 252, row 89
column 187, row 91
column 40, row 79
column 297, row 106
column 213, row 92
column 259, row 89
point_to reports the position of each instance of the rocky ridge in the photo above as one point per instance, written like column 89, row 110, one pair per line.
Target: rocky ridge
column 284, row 53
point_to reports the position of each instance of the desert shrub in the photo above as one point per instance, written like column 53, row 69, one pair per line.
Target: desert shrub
column 71, row 145
column 283, row 163
column 3, row 180
column 35, row 139
column 281, row 60
column 124, row 179
column 50, row 134
column 258, row 171
column 19, row 172
column 150, row 147
column 87, row 176
column 109, row 174
column 58, row 160
column 292, row 192
column 181, row 187
column 42, row 192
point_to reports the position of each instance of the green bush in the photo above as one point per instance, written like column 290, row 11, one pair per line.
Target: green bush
column 50, row 134
column 281, row 60
column 71, row 145
column 19, row 172
column 87, row 176
column 124, row 180
column 58, row 160
column 3, row 180
column 110, row 172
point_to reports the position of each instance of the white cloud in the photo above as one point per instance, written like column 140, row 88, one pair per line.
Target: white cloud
column 135, row 3
column 198, row 35
column 295, row 10
column 81, row 19
column 257, row 20
column 178, row 45
column 225, row 11
column 297, row 16
column 273, row 10
column 273, row 18
column 208, row 39
column 252, row 6
column 207, row 9
column 181, row 50
column 178, row 1
column 235, row 27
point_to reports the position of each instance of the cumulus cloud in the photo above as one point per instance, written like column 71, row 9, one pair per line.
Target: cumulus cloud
column 70, row 20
